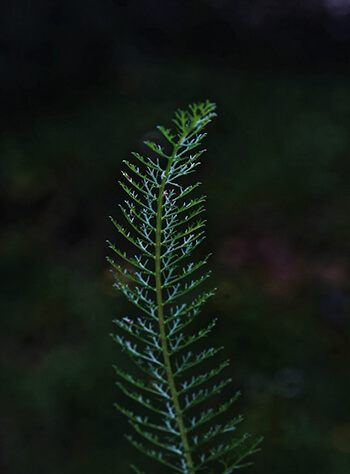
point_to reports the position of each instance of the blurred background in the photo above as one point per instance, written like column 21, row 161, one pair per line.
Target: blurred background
column 82, row 83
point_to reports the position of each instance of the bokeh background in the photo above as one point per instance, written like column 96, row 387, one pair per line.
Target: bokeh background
column 82, row 83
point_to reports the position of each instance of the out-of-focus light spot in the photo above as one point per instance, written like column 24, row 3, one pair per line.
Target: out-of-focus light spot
column 289, row 383
column 333, row 273
column 338, row 7
column 341, row 437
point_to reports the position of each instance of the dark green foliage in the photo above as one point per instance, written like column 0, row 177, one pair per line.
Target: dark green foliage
column 277, row 169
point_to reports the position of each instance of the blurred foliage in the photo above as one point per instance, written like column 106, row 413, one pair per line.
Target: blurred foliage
column 276, row 176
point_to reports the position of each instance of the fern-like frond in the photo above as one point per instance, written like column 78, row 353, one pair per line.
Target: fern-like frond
column 162, row 227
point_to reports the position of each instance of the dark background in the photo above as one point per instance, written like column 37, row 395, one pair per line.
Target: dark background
column 82, row 83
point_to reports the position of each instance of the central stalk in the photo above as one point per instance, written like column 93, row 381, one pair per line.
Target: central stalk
column 162, row 330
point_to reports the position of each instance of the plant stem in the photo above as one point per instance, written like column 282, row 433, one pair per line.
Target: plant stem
column 163, row 336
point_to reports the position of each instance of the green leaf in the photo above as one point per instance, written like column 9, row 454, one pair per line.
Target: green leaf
column 163, row 227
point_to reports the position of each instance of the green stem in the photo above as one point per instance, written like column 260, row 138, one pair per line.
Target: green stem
column 161, row 319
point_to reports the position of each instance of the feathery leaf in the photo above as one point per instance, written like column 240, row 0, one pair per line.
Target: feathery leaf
column 163, row 227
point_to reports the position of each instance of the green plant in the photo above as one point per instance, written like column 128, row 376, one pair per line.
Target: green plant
column 165, row 227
